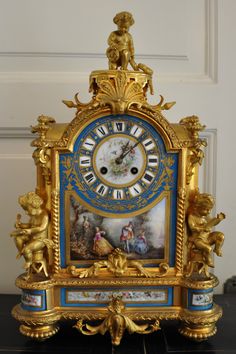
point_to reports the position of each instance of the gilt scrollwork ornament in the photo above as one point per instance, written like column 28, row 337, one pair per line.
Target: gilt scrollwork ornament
column 195, row 154
column 121, row 89
column 41, row 158
column 42, row 154
column 120, row 94
column 118, row 264
column 116, row 323
column 79, row 105
column 31, row 238
column 195, row 157
column 201, row 238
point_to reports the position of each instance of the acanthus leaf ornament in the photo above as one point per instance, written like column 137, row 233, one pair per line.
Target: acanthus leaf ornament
column 120, row 91
column 41, row 157
column 116, row 323
column 118, row 264
column 121, row 94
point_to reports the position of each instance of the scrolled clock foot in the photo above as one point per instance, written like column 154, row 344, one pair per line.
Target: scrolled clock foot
column 38, row 332
column 198, row 333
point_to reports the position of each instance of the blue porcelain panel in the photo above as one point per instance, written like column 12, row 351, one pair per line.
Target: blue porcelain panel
column 200, row 299
column 34, row 300
column 140, row 297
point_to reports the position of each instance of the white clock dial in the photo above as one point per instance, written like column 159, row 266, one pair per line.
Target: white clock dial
column 119, row 160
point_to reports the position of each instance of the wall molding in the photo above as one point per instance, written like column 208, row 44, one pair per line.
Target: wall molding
column 95, row 56
column 207, row 175
column 211, row 50
column 15, row 156
column 47, row 77
column 209, row 74
column 16, row 133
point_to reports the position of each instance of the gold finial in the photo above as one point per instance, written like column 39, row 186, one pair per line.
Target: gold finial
column 44, row 123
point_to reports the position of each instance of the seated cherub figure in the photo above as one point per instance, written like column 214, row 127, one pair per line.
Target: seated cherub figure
column 120, row 52
column 200, row 225
column 31, row 237
column 121, row 49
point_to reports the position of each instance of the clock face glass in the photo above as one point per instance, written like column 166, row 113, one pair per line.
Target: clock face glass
column 117, row 189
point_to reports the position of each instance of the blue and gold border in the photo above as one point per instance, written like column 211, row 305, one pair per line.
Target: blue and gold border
column 168, row 301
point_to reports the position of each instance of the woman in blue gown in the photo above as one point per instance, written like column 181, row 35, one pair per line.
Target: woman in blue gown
column 140, row 245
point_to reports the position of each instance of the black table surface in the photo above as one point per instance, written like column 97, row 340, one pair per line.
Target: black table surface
column 168, row 340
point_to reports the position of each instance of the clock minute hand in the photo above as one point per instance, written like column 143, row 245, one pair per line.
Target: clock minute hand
column 132, row 147
column 119, row 159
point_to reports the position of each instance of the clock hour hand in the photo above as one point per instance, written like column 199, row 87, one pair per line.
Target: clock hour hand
column 119, row 159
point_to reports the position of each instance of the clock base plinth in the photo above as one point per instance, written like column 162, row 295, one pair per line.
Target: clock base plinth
column 38, row 325
column 200, row 327
column 198, row 333
column 38, row 332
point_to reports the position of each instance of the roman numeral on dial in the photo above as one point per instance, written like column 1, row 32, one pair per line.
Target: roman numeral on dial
column 119, row 127
column 85, row 161
column 135, row 190
column 118, row 194
column 102, row 131
column 101, row 189
column 148, row 177
column 152, row 160
column 89, row 144
column 90, row 177
column 136, row 131
column 148, row 144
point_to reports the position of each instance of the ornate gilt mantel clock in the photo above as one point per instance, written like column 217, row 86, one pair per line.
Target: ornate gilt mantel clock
column 118, row 235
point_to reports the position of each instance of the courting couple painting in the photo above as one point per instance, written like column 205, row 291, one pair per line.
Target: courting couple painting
column 94, row 237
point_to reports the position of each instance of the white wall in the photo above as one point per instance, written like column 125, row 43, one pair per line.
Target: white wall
column 47, row 50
